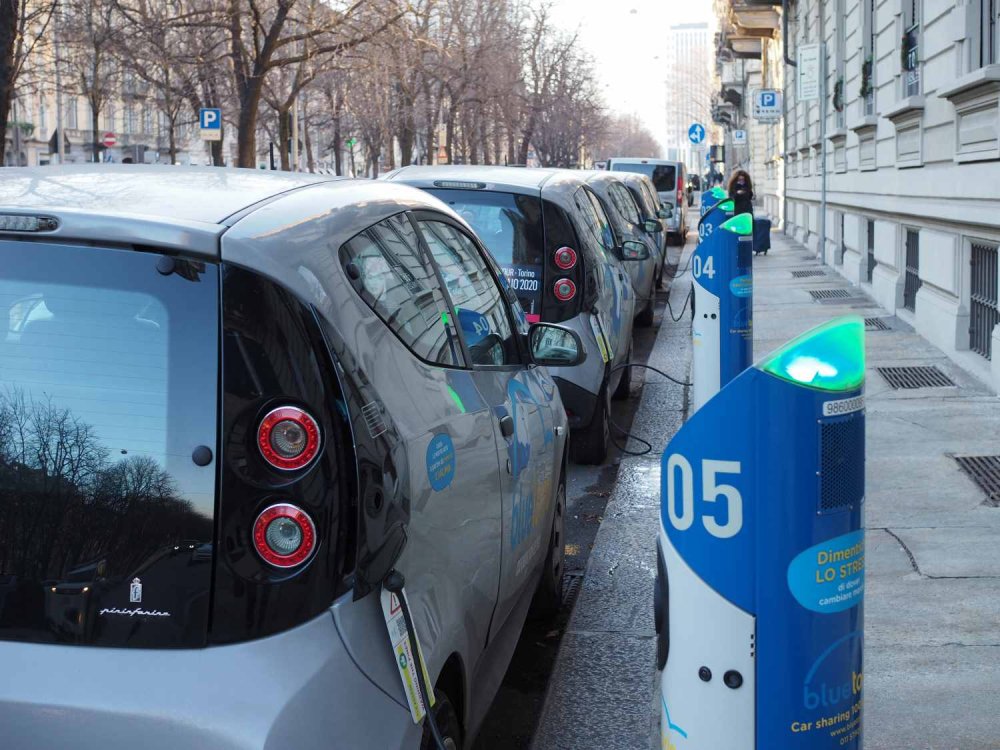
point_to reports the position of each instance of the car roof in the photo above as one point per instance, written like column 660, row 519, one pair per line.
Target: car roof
column 201, row 194
column 182, row 208
column 515, row 179
column 641, row 160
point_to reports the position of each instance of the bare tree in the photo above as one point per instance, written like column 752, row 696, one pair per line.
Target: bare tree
column 24, row 25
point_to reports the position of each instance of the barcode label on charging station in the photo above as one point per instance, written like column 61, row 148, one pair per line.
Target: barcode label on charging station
column 843, row 406
column 392, row 610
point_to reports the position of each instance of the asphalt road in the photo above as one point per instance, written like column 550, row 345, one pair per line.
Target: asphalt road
column 516, row 708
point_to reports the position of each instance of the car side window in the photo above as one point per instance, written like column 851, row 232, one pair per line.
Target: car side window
column 386, row 267
column 598, row 226
column 479, row 304
column 624, row 202
column 651, row 199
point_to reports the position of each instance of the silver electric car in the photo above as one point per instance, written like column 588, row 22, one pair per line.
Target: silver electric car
column 550, row 234
column 240, row 412
column 650, row 208
column 628, row 224
column 669, row 180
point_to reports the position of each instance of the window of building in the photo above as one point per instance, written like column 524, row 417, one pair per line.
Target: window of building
column 109, row 116
column 839, row 80
column 912, row 281
column 910, row 51
column 870, row 244
column 868, row 57
column 43, row 117
column 984, row 310
column 147, row 119
column 479, row 305
column 128, row 124
column 72, row 112
column 393, row 277
column 984, row 33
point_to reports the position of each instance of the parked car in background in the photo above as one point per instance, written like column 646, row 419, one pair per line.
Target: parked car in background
column 628, row 224
column 650, row 207
column 271, row 391
column 550, row 234
column 668, row 178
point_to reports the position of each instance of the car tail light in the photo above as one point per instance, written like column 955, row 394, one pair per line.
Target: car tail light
column 288, row 438
column 564, row 289
column 565, row 258
column 680, row 192
column 284, row 535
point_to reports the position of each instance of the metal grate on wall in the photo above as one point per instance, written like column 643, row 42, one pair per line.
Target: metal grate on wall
column 842, row 463
column 984, row 312
column 820, row 294
column 806, row 274
column 984, row 471
column 915, row 377
column 876, row 324
column 912, row 281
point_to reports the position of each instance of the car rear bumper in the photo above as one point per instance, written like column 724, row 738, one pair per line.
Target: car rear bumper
column 298, row 689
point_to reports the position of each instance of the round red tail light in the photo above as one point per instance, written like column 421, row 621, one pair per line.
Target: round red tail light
column 288, row 438
column 284, row 536
column 565, row 258
column 564, row 289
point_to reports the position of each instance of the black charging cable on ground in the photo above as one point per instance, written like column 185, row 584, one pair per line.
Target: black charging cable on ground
column 394, row 583
column 625, row 433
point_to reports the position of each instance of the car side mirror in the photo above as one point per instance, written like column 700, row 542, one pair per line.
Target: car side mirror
column 665, row 213
column 652, row 226
column 555, row 346
column 632, row 250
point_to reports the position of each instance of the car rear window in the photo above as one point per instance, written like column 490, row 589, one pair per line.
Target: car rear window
column 108, row 382
column 664, row 176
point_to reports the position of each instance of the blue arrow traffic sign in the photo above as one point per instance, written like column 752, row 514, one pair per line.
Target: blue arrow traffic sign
column 696, row 133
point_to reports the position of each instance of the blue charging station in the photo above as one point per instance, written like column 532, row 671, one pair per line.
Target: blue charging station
column 760, row 580
column 722, row 327
column 711, row 198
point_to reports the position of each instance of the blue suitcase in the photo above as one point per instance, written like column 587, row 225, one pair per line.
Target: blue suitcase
column 761, row 236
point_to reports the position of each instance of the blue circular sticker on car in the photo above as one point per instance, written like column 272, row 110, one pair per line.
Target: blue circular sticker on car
column 440, row 461
column 742, row 286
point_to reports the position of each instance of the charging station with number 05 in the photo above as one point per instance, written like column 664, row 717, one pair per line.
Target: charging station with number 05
column 760, row 556
column 722, row 328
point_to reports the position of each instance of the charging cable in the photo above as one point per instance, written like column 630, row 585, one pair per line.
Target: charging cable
column 625, row 433
column 394, row 583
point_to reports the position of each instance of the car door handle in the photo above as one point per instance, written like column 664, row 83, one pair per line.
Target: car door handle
column 506, row 425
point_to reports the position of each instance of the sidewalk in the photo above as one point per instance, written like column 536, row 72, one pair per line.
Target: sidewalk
column 932, row 628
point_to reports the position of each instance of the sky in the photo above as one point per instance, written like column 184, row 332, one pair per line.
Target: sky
column 626, row 38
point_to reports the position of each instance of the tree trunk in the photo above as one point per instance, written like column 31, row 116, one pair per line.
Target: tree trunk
column 172, row 139
column 94, row 124
column 246, row 121
column 449, row 138
column 338, row 166
column 284, row 139
column 216, row 149
column 8, row 42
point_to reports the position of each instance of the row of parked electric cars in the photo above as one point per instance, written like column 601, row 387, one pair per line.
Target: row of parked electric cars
column 246, row 419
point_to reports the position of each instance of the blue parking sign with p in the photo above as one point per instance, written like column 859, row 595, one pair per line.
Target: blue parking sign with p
column 768, row 99
column 210, row 118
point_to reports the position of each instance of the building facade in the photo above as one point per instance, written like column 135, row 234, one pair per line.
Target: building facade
column 689, row 90
column 910, row 156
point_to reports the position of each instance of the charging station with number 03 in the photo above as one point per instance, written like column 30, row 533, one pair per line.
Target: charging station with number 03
column 760, row 556
column 722, row 328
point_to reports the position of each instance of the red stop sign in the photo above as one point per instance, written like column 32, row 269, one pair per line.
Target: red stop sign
column 109, row 140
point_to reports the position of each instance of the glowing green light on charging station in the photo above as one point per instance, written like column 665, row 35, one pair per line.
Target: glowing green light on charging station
column 718, row 193
column 728, row 206
column 739, row 224
column 830, row 357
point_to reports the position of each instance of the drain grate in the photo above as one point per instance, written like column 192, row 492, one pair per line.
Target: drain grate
column 820, row 294
column 853, row 301
column 804, row 274
column 876, row 324
column 984, row 471
column 915, row 377
column 571, row 589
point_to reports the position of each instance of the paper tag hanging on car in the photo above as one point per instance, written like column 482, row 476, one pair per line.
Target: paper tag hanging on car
column 602, row 342
column 392, row 610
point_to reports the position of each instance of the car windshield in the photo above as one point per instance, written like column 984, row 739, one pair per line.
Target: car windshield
column 663, row 175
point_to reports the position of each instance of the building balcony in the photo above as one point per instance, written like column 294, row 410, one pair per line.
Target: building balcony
column 762, row 17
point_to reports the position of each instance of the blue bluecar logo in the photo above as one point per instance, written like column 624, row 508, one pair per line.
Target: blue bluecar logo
column 830, row 577
column 440, row 461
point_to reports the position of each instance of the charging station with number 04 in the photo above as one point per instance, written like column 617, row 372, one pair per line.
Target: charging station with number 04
column 722, row 328
column 760, row 557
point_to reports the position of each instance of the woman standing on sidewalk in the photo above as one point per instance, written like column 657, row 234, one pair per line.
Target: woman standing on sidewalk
column 741, row 191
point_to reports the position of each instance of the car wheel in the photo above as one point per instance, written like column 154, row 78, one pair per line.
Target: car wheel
column 590, row 443
column 645, row 318
column 549, row 595
column 447, row 722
